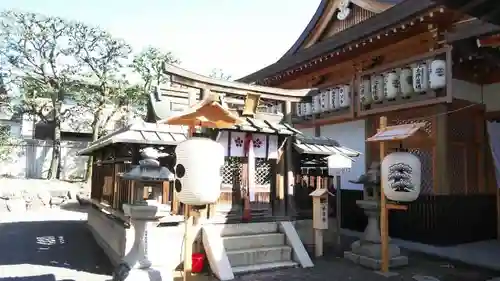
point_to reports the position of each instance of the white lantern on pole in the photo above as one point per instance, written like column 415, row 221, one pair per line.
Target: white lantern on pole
column 401, row 173
column 198, row 181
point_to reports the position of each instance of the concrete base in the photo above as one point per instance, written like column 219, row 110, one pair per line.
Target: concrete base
column 150, row 274
column 375, row 263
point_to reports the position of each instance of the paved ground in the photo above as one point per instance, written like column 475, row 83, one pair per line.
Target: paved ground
column 50, row 250
column 55, row 245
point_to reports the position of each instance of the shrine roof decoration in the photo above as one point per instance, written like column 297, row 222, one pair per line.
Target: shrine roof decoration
column 140, row 133
column 318, row 46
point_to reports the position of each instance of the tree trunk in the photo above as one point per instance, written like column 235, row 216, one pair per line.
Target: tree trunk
column 95, row 136
column 56, row 144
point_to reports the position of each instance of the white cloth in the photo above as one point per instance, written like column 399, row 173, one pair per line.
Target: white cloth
column 494, row 133
column 259, row 145
column 273, row 147
column 251, row 171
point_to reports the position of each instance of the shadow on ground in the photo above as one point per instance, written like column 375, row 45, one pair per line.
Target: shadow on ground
column 65, row 244
column 75, row 207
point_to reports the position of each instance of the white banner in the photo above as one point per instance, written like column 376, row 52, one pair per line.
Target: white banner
column 494, row 133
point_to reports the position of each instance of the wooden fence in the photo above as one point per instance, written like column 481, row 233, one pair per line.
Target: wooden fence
column 431, row 219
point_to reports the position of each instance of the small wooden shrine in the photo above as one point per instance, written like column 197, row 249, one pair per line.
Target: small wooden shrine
column 414, row 62
column 116, row 153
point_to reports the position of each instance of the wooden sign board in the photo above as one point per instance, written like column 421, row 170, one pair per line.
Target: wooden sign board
column 400, row 133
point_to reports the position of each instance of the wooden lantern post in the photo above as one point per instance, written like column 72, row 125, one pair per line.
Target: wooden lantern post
column 386, row 136
column 209, row 113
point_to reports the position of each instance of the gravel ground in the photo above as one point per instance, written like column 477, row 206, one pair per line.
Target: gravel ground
column 56, row 245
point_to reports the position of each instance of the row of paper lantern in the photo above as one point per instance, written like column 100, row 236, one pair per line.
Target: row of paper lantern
column 403, row 82
column 329, row 99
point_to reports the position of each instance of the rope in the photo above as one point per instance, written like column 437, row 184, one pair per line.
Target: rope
column 443, row 113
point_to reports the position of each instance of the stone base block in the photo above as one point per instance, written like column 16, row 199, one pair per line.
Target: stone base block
column 375, row 263
column 150, row 274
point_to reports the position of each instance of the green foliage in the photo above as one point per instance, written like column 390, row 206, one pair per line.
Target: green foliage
column 149, row 65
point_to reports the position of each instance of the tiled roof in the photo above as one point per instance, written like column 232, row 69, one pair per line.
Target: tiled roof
column 140, row 133
column 322, row 146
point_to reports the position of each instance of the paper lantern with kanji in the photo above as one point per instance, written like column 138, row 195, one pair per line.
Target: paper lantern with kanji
column 402, row 174
column 198, row 171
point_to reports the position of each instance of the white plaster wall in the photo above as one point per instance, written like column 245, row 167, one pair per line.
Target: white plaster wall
column 491, row 94
column 308, row 131
column 486, row 94
column 351, row 135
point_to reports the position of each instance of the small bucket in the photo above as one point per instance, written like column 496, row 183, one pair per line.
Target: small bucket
column 198, row 261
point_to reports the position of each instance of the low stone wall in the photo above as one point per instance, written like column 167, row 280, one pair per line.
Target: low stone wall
column 165, row 242
column 17, row 195
column 110, row 234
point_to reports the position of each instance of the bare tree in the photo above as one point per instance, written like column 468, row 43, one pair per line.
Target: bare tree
column 218, row 73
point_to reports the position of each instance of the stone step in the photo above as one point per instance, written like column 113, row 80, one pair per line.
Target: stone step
column 263, row 267
column 253, row 241
column 247, row 228
column 259, row 255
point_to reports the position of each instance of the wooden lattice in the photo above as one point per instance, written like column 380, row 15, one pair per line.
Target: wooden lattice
column 424, row 154
column 463, row 151
column 232, row 171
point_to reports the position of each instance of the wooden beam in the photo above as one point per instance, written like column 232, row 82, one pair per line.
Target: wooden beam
column 194, row 80
column 440, row 155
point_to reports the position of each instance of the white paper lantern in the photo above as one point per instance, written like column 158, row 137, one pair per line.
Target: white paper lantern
column 406, row 82
column 298, row 109
column 198, row 181
column 402, row 174
column 324, row 100
column 316, row 103
column 437, row 74
column 303, row 107
column 365, row 95
column 334, row 99
column 420, row 78
column 377, row 88
column 307, row 108
column 344, row 95
column 391, row 85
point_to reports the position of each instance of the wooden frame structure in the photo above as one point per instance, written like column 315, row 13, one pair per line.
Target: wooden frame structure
column 372, row 41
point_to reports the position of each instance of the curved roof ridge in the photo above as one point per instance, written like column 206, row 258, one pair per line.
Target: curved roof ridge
column 310, row 26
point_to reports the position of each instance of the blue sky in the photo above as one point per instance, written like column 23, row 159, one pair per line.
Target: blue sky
column 238, row 36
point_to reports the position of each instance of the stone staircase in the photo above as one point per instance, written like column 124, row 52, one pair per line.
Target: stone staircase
column 256, row 246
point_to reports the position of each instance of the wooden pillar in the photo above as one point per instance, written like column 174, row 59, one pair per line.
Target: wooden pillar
column 289, row 179
column 481, row 143
column 166, row 192
column 440, row 151
column 280, row 180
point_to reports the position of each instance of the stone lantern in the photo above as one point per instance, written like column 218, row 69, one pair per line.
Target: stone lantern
column 136, row 265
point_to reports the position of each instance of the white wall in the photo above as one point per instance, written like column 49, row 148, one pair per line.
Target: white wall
column 308, row 132
column 31, row 159
column 351, row 135
column 487, row 94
